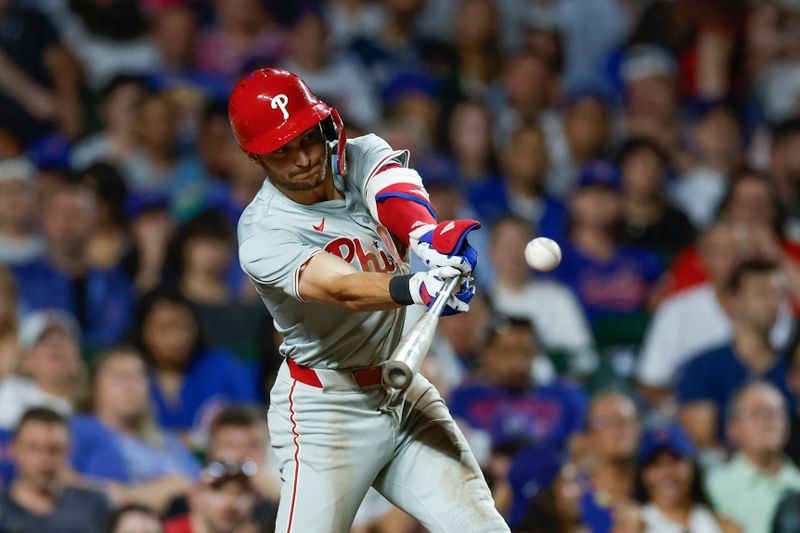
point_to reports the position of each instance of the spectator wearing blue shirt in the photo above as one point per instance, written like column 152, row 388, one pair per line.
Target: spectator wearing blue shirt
column 101, row 299
column 505, row 403
column 709, row 380
column 521, row 192
column 118, row 446
column 611, row 280
column 594, row 490
column 520, row 417
column 189, row 381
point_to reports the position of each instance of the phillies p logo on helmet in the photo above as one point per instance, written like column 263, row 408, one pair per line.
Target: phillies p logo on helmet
column 280, row 101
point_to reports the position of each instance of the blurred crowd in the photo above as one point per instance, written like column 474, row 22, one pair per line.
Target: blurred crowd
column 649, row 384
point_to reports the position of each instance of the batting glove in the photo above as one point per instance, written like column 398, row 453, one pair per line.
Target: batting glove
column 425, row 286
column 445, row 244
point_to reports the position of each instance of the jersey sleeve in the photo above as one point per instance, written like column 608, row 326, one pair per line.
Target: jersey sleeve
column 379, row 173
column 273, row 258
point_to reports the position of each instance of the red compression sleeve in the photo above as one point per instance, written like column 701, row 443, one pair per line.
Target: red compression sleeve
column 401, row 215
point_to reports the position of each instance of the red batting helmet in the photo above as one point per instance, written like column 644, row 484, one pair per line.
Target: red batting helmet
column 270, row 107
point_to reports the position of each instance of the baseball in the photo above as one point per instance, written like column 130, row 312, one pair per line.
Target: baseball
column 543, row 254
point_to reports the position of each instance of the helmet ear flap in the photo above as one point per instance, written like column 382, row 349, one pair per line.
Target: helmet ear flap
column 334, row 132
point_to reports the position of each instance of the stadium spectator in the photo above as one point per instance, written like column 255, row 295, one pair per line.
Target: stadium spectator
column 505, row 403
column 698, row 319
column 650, row 91
column 529, row 90
column 709, row 380
column 9, row 327
column 670, row 486
column 752, row 205
column 243, row 36
column 176, row 32
column 151, row 228
column 476, row 43
column 339, row 81
column 100, row 299
column 351, row 20
column 651, row 221
column 201, row 263
column 19, row 240
column 521, row 191
column 561, row 325
column 133, row 518
column 116, row 444
column 715, row 146
column 154, row 162
column 784, row 167
column 238, row 435
column 109, row 38
column 470, row 143
column 222, row 500
column 41, row 499
column 39, row 78
column 601, row 473
column 188, row 380
column 50, row 369
column 116, row 141
column 584, row 136
column 748, row 489
column 110, row 245
column 613, row 282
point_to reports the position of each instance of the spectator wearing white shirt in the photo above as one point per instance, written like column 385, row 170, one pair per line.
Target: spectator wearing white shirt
column 698, row 319
column 51, row 360
column 550, row 306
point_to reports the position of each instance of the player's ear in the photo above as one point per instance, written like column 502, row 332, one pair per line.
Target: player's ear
column 252, row 157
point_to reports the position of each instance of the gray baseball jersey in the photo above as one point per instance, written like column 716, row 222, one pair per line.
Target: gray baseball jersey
column 277, row 236
column 334, row 441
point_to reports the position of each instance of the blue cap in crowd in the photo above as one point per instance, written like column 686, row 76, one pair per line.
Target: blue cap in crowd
column 599, row 174
column 140, row 202
column 407, row 83
column 668, row 437
column 51, row 152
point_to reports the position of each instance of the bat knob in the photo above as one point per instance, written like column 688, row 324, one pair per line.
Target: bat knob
column 397, row 375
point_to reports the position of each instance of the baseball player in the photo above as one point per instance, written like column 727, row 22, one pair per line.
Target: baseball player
column 326, row 242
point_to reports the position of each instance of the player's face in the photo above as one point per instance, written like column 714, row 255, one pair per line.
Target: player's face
column 299, row 165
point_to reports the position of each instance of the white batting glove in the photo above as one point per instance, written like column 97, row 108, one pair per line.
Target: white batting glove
column 425, row 286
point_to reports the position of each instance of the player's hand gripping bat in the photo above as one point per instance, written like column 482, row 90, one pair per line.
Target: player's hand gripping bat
column 412, row 349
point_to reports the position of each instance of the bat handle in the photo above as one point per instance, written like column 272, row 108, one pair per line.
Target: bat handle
column 405, row 361
column 444, row 294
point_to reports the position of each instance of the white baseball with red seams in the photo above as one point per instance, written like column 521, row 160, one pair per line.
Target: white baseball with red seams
column 543, row 254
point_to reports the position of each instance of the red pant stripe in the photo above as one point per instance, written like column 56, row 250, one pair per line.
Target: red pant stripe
column 296, row 453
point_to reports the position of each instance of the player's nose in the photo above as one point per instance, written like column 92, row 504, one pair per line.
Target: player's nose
column 303, row 159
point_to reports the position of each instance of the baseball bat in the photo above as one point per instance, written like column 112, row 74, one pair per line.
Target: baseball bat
column 412, row 349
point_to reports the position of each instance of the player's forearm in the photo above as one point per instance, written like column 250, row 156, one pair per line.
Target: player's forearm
column 362, row 291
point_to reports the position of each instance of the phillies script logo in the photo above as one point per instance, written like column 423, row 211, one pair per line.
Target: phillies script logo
column 347, row 249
